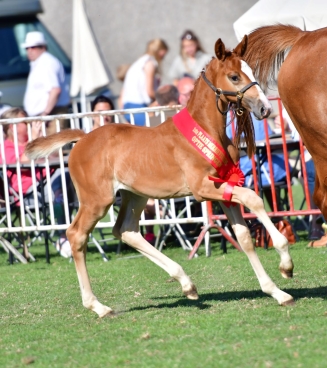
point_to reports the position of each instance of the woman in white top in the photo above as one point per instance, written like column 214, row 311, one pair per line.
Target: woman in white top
column 191, row 60
column 142, row 79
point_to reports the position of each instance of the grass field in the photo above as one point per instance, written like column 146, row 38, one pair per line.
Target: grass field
column 233, row 324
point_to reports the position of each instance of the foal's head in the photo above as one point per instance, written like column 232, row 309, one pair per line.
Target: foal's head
column 232, row 74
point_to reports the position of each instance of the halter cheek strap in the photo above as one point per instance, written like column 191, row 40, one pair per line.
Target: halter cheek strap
column 238, row 94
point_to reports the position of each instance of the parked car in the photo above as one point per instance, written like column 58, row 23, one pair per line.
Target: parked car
column 17, row 17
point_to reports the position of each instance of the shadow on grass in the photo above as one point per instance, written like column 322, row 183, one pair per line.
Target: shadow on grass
column 201, row 303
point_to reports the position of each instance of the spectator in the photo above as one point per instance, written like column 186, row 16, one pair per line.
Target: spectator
column 185, row 86
column 62, row 244
column 143, row 79
column 47, row 91
column 192, row 58
column 102, row 103
column 167, row 95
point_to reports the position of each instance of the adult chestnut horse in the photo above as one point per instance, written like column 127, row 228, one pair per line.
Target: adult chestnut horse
column 160, row 162
column 302, row 85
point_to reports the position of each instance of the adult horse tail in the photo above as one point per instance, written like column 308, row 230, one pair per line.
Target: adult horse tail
column 267, row 47
column 44, row 146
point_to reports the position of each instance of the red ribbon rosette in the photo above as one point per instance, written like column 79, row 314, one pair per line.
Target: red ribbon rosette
column 233, row 177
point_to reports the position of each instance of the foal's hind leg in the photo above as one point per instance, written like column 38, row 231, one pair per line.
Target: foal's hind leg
column 244, row 238
column 127, row 229
column 78, row 233
column 251, row 200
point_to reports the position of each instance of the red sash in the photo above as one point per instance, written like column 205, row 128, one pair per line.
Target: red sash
column 227, row 171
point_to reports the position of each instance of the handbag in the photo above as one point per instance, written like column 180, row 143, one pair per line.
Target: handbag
column 283, row 226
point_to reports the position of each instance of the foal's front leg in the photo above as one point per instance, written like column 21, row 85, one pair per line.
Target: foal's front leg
column 251, row 200
column 244, row 238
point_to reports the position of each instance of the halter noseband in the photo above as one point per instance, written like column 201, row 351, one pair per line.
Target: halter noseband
column 239, row 95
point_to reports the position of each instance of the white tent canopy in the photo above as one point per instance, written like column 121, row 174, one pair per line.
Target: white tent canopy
column 305, row 14
column 88, row 72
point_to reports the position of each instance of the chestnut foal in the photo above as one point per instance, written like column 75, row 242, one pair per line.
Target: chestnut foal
column 160, row 162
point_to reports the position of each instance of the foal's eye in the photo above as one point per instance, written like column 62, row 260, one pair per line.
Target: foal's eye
column 234, row 78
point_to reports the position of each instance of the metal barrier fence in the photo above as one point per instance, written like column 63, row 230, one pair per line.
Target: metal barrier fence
column 180, row 213
column 33, row 217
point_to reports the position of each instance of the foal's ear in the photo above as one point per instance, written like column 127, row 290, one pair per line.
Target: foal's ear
column 241, row 47
column 220, row 50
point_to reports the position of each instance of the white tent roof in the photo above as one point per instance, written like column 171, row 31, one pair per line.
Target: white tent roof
column 305, row 14
column 88, row 71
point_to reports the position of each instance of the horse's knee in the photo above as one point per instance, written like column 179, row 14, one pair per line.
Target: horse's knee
column 253, row 201
column 76, row 239
column 243, row 236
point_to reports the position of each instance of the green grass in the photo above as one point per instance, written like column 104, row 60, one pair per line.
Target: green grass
column 233, row 324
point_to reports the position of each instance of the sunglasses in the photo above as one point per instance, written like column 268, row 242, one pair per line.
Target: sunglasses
column 188, row 36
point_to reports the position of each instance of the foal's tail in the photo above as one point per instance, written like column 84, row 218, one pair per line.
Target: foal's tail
column 267, row 47
column 44, row 146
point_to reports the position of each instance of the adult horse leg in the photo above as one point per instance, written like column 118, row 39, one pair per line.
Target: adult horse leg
column 251, row 200
column 77, row 234
column 243, row 236
column 127, row 229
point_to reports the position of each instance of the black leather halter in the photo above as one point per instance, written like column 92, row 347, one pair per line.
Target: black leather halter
column 219, row 92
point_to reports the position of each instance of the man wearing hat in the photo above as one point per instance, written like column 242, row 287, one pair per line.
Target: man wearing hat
column 47, row 92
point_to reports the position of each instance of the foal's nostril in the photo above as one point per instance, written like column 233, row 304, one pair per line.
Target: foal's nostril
column 265, row 112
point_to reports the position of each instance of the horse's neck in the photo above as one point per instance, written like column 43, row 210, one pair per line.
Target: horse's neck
column 212, row 121
column 209, row 118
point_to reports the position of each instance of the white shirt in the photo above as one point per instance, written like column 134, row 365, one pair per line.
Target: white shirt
column 134, row 83
column 46, row 72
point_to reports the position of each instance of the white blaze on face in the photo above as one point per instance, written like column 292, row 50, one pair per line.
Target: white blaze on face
column 248, row 71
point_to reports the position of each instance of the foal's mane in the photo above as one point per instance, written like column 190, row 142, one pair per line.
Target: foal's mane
column 245, row 132
column 267, row 47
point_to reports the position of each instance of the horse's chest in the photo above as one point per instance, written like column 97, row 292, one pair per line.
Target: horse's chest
column 234, row 153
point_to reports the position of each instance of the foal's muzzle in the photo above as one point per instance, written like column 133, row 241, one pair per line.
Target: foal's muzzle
column 261, row 110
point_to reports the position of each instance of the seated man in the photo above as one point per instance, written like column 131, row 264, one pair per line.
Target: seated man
column 185, row 86
column 62, row 244
column 166, row 95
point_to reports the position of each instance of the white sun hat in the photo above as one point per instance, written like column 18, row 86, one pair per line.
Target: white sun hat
column 34, row 39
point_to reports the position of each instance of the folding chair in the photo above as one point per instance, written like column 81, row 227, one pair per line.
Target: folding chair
column 18, row 237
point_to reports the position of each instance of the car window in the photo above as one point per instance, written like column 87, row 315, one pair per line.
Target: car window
column 13, row 61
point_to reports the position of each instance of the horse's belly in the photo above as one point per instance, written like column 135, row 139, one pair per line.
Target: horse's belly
column 154, row 188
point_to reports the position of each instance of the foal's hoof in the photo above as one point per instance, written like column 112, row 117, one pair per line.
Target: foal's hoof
column 287, row 274
column 191, row 293
column 288, row 303
column 108, row 312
